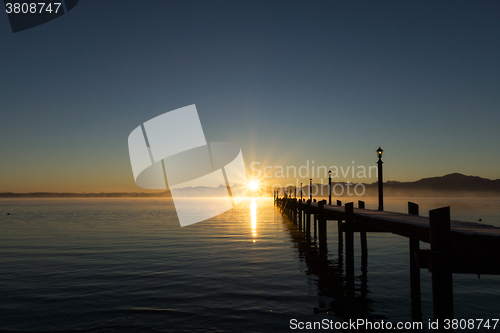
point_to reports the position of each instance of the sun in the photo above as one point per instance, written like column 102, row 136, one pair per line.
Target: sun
column 253, row 185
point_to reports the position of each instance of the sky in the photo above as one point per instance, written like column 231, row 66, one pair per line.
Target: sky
column 290, row 82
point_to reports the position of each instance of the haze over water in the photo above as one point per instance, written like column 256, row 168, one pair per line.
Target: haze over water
column 125, row 265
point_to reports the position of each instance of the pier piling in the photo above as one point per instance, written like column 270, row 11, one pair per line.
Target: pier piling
column 364, row 244
column 322, row 227
column 308, row 218
column 349, row 247
column 414, row 243
column 440, row 263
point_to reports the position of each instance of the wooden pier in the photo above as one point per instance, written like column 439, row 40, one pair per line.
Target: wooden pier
column 455, row 246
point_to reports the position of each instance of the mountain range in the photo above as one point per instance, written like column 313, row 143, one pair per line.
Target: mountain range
column 454, row 184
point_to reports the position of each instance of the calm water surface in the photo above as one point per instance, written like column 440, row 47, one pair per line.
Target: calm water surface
column 125, row 265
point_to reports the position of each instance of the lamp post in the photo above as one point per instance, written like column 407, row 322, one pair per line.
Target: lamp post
column 310, row 189
column 380, row 180
column 330, row 187
column 300, row 191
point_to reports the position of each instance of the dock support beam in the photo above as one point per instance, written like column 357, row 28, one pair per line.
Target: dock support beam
column 340, row 236
column 416, row 307
column 364, row 244
column 308, row 219
column 300, row 210
column 349, row 247
column 314, row 220
column 322, row 227
column 440, row 264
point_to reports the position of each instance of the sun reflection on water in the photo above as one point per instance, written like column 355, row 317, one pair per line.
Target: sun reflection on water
column 253, row 216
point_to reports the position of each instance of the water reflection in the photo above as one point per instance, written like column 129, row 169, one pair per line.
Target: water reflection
column 327, row 273
column 253, row 216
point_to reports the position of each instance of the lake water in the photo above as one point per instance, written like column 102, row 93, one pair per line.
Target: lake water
column 125, row 265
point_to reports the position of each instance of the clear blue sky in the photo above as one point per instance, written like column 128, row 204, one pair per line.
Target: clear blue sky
column 288, row 81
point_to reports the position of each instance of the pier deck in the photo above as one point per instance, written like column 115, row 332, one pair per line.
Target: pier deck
column 414, row 226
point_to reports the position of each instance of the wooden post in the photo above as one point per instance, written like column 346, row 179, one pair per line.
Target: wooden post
column 416, row 307
column 283, row 206
column 340, row 241
column 304, row 210
column 322, row 227
column 296, row 214
column 364, row 244
column 340, row 237
column 287, row 208
column 314, row 218
column 300, row 209
column 440, row 264
column 412, row 208
column 315, row 221
column 308, row 219
column 349, row 247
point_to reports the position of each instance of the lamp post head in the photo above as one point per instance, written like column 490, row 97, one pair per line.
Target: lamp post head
column 329, row 173
column 310, row 181
column 379, row 152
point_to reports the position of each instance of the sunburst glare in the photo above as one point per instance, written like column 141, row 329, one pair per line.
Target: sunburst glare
column 253, row 185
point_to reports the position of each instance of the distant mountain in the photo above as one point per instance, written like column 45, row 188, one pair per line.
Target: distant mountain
column 454, row 184
column 199, row 191
column 451, row 185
